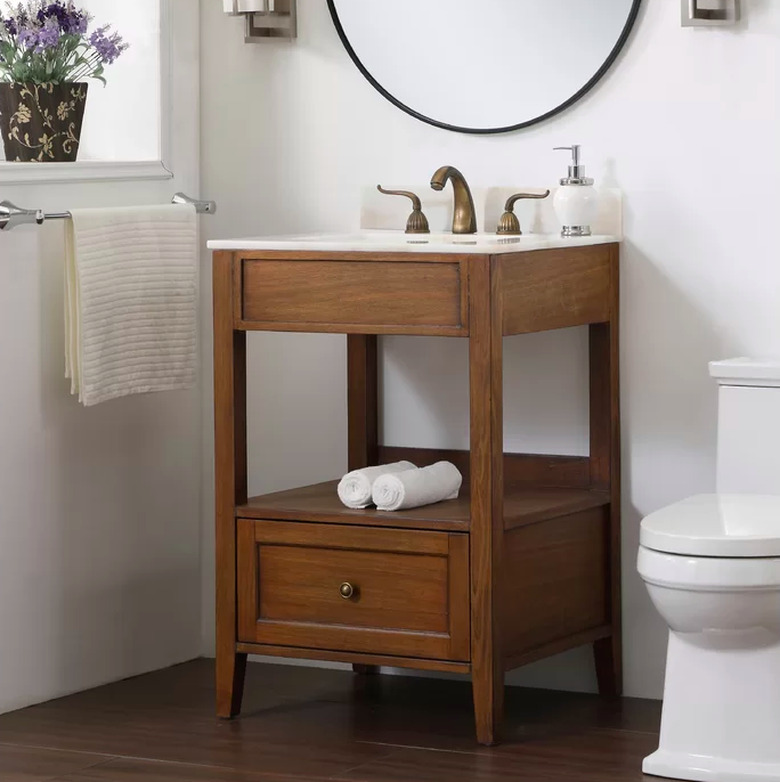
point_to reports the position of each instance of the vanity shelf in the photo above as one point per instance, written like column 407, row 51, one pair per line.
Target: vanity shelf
column 320, row 503
column 525, row 564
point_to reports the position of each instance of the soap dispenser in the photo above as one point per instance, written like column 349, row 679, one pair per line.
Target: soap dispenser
column 575, row 201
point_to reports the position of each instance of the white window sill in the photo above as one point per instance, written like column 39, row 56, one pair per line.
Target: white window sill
column 86, row 171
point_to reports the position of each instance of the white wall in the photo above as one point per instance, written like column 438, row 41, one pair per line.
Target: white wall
column 99, row 507
column 686, row 124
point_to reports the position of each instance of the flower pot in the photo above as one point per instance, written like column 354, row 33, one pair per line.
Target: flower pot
column 42, row 122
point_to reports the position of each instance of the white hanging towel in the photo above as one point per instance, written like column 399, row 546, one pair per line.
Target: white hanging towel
column 413, row 488
column 354, row 488
column 130, row 301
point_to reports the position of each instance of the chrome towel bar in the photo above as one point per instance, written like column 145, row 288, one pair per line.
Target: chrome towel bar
column 12, row 215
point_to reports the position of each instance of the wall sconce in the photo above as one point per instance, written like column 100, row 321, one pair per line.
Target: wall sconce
column 266, row 20
column 707, row 13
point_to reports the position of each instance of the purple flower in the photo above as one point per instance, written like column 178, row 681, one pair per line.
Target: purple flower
column 48, row 36
column 28, row 37
column 16, row 20
column 79, row 22
column 69, row 19
column 108, row 47
column 49, row 40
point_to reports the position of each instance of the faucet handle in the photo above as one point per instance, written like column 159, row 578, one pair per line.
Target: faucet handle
column 417, row 222
column 509, row 224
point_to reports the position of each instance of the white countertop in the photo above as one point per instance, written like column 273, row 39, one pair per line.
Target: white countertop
column 398, row 241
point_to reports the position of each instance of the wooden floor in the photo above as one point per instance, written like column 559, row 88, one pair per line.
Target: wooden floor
column 312, row 724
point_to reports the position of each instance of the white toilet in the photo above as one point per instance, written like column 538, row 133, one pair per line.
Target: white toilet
column 711, row 564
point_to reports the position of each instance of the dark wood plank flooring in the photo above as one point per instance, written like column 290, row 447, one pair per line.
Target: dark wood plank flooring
column 311, row 724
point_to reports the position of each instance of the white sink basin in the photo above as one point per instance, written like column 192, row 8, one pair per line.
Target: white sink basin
column 398, row 241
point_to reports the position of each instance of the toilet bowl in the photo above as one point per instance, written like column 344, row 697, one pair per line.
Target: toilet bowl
column 711, row 564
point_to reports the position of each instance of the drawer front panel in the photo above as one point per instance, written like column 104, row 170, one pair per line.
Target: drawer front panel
column 409, row 589
column 352, row 295
column 398, row 591
column 554, row 289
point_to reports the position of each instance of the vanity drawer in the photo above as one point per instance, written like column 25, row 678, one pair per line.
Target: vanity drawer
column 363, row 296
column 355, row 589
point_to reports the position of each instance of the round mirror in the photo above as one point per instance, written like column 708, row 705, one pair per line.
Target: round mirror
column 483, row 66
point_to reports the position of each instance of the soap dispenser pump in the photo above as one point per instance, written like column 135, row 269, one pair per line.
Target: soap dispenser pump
column 575, row 201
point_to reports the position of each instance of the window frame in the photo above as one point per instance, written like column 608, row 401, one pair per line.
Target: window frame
column 12, row 173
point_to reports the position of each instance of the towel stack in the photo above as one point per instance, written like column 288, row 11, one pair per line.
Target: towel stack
column 400, row 486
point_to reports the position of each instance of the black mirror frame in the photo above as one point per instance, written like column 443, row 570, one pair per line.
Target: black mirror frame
column 632, row 15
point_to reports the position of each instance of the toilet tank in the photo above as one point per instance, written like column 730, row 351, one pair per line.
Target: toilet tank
column 748, row 457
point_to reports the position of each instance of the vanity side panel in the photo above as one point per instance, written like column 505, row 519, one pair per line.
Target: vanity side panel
column 520, row 469
column 555, row 289
column 353, row 296
column 553, row 585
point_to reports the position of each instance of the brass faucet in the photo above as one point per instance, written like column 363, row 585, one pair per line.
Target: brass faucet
column 463, row 219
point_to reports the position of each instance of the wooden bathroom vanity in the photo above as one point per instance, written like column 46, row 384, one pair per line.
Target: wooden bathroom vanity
column 525, row 564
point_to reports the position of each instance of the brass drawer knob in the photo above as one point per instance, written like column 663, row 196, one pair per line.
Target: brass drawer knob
column 347, row 591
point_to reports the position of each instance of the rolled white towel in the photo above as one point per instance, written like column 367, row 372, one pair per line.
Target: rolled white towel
column 413, row 488
column 355, row 487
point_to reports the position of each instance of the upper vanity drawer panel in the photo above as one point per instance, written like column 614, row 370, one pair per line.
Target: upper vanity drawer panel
column 412, row 297
column 554, row 289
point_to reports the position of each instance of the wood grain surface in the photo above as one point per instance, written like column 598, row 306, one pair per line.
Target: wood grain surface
column 525, row 563
column 486, row 482
column 353, row 296
column 522, row 504
column 554, row 289
column 530, row 469
column 410, row 589
column 230, row 460
column 605, row 471
column 306, row 724
column 555, row 586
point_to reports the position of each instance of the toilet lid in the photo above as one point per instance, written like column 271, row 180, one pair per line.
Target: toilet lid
column 716, row 525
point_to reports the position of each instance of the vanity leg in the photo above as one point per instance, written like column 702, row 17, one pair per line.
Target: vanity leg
column 606, row 652
column 605, row 474
column 231, row 670
column 230, row 466
column 487, row 686
column 486, row 533
column 362, row 419
column 362, row 412
column 365, row 670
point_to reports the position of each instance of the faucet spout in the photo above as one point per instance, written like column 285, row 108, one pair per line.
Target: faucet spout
column 463, row 219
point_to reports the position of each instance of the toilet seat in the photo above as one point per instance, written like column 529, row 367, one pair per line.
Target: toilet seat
column 716, row 525
column 708, row 574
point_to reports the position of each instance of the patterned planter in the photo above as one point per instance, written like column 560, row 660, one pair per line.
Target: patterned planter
column 42, row 122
